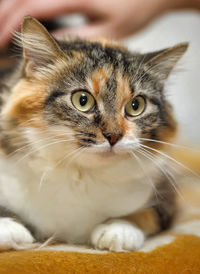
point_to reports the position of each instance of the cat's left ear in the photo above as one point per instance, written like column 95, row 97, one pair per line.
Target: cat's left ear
column 162, row 62
column 39, row 47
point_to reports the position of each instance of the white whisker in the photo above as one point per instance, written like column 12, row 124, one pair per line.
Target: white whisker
column 66, row 156
column 152, row 158
column 33, row 143
column 141, row 166
column 47, row 242
column 172, row 159
column 76, row 152
column 165, row 143
column 42, row 179
column 42, row 147
column 76, row 155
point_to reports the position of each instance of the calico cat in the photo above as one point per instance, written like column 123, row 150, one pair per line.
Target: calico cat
column 83, row 128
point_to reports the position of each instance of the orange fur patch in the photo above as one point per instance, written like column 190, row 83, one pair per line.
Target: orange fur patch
column 145, row 220
column 123, row 90
column 26, row 104
column 124, row 125
column 99, row 77
column 95, row 85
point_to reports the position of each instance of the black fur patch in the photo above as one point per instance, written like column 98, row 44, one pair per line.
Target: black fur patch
column 165, row 207
column 90, row 141
column 92, row 135
column 53, row 96
column 109, row 95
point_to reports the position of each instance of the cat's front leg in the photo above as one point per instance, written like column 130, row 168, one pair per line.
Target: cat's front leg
column 117, row 235
column 13, row 234
column 129, row 233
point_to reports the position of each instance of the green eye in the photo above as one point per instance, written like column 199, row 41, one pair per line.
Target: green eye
column 83, row 101
column 135, row 106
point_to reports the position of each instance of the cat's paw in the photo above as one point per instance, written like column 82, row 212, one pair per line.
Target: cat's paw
column 14, row 235
column 117, row 235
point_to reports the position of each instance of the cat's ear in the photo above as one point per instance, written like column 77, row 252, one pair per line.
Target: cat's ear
column 162, row 62
column 39, row 47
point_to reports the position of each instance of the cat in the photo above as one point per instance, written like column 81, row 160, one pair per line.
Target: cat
column 83, row 128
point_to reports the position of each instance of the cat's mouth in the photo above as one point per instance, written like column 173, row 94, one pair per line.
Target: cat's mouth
column 105, row 150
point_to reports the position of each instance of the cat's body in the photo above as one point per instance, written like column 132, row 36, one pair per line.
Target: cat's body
column 69, row 167
column 71, row 201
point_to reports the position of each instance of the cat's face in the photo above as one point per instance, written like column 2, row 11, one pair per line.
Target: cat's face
column 108, row 110
column 95, row 98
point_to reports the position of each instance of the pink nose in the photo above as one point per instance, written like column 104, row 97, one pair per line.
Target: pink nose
column 112, row 137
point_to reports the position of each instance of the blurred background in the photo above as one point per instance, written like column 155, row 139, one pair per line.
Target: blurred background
column 183, row 86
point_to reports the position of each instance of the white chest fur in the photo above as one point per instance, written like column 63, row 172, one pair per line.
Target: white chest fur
column 69, row 202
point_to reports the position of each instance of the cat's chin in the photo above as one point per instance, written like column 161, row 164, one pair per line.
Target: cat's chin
column 96, row 159
column 107, row 154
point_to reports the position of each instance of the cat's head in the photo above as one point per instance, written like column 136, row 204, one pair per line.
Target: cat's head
column 91, row 97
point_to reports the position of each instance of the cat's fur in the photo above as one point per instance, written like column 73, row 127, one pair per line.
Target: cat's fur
column 60, row 174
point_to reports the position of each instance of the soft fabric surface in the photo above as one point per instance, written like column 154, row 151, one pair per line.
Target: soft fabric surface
column 182, row 256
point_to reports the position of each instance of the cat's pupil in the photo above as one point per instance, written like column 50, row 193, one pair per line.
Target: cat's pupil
column 135, row 104
column 83, row 100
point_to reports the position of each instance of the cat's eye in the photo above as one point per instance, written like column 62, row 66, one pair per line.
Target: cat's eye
column 83, row 101
column 135, row 106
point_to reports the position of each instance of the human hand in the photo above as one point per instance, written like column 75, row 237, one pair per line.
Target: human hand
column 12, row 13
column 108, row 18
column 115, row 18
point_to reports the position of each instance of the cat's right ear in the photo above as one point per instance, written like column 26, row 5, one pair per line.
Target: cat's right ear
column 39, row 47
column 161, row 63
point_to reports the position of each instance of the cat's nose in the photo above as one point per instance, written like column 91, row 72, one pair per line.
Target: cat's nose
column 112, row 138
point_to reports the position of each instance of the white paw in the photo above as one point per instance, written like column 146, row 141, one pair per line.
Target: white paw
column 14, row 235
column 117, row 235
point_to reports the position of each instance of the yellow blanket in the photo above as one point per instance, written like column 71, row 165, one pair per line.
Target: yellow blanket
column 181, row 256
